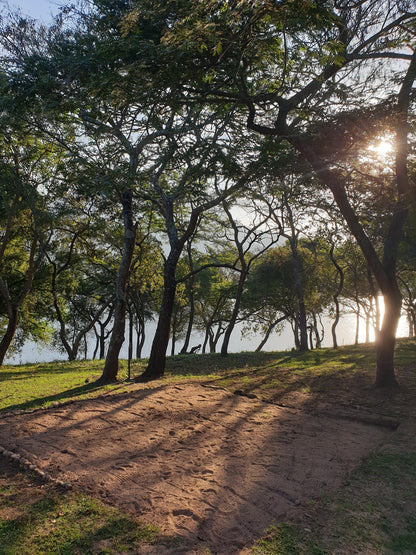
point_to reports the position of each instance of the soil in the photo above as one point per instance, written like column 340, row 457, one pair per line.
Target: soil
column 211, row 469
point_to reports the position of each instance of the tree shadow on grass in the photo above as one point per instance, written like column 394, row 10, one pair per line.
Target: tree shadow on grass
column 28, row 371
column 207, row 364
column 58, row 397
column 80, row 524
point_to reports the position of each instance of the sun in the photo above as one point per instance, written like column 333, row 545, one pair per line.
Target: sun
column 382, row 148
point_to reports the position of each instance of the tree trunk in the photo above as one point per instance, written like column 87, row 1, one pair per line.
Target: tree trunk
column 173, row 338
column 311, row 338
column 387, row 338
column 236, row 309
column 9, row 334
column 157, row 360
column 303, row 327
column 204, row 345
column 97, row 344
column 367, row 327
column 102, row 341
column 357, row 325
column 336, row 296
column 268, row 332
column 295, row 328
column 185, row 346
column 130, row 346
column 212, row 343
column 85, row 347
column 140, row 331
column 110, row 370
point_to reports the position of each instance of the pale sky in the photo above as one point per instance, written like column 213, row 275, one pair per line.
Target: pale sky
column 39, row 9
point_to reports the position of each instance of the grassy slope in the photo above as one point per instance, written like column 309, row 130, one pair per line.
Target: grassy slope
column 372, row 513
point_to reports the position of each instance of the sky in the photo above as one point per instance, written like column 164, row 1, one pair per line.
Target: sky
column 39, row 9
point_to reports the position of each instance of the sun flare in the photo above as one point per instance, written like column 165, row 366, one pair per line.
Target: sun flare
column 382, row 148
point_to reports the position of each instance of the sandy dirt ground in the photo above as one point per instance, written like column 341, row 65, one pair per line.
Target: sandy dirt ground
column 210, row 469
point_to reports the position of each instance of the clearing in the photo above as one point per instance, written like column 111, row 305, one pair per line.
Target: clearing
column 214, row 468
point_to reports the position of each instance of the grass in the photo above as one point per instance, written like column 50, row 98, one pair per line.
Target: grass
column 39, row 385
column 374, row 511
column 267, row 374
column 288, row 540
column 35, row 521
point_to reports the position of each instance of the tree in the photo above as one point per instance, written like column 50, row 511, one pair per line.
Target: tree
column 296, row 66
column 252, row 239
column 27, row 214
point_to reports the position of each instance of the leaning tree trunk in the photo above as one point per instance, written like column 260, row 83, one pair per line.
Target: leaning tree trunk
column 110, row 370
column 157, row 360
column 268, row 332
column 384, row 271
column 9, row 334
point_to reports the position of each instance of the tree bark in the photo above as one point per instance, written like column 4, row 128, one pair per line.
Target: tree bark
column 387, row 338
column 140, row 331
column 110, row 370
column 157, row 360
column 9, row 334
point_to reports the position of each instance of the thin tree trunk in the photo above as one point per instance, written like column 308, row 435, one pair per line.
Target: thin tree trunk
column 295, row 329
column 110, row 370
column 303, row 327
column 140, row 331
column 130, row 348
column 173, row 338
column 97, row 344
column 268, row 332
column 311, row 338
column 85, row 347
column 185, row 346
column 357, row 324
column 336, row 296
column 204, row 345
column 236, row 309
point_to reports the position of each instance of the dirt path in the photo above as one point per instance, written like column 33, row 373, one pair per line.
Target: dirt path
column 208, row 468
